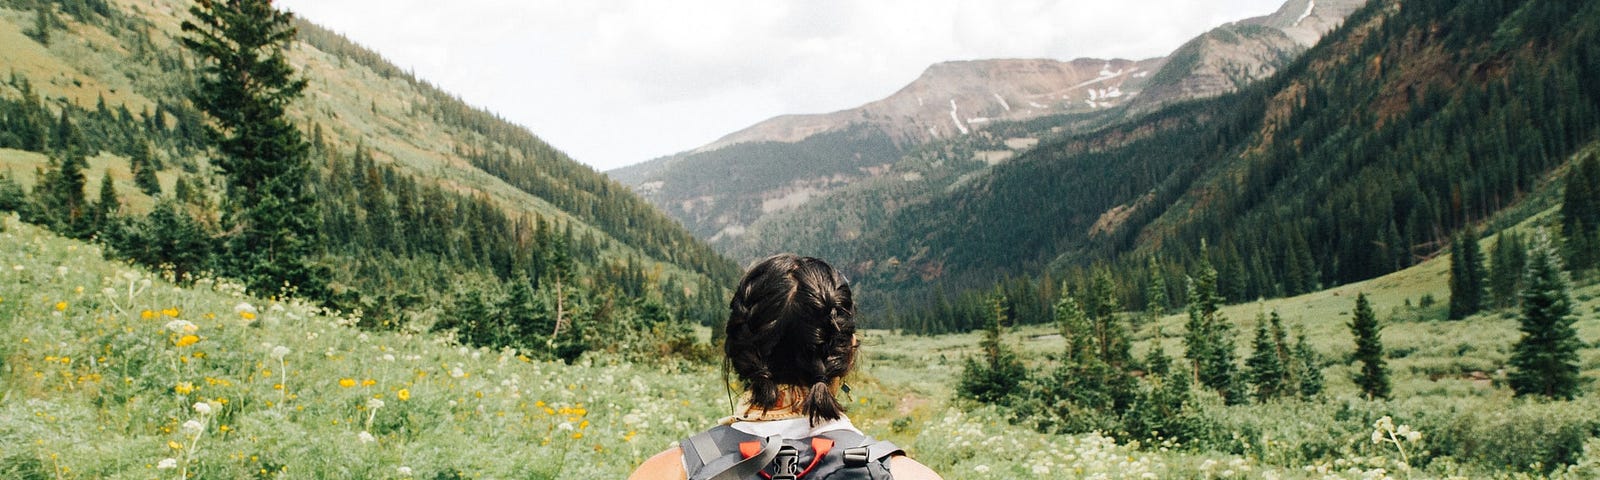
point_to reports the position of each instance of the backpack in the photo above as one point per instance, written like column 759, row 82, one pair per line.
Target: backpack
column 724, row 453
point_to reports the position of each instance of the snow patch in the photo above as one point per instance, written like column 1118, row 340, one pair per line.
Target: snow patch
column 977, row 120
column 1141, row 74
column 1310, row 4
column 1002, row 100
column 1037, row 105
column 919, row 101
column 957, row 119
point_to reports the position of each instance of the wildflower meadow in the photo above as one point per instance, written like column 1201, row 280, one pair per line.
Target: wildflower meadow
column 112, row 371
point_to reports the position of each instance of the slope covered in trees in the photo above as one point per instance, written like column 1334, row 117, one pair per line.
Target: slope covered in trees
column 421, row 201
column 1411, row 122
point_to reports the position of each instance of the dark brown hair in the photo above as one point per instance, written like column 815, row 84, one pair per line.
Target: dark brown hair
column 792, row 322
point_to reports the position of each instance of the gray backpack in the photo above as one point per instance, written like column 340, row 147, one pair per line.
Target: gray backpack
column 723, row 453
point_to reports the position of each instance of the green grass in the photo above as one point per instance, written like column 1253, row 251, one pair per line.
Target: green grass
column 97, row 383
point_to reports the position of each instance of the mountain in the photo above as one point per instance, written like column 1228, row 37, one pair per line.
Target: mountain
column 422, row 197
column 992, row 109
column 1410, row 122
column 1231, row 56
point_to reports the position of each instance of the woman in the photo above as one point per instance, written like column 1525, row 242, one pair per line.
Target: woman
column 790, row 340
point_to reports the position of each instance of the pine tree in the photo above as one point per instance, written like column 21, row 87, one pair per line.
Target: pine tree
column 60, row 198
column 1267, row 372
column 41, row 24
column 1000, row 373
column 1208, row 344
column 1508, row 261
column 144, row 170
column 1580, row 202
column 1466, row 276
column 108, row 204
column 1156, row 361
column 1545, row 361
column 1373, row 378
column 245, row 84
column 1582, row 252
column 1156, row 292
column 1309, row 368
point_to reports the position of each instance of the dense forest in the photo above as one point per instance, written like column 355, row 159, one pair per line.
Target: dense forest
column 1408, row 124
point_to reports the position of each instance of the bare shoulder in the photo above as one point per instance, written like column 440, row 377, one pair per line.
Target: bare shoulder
column 667, row 465
column 905, row 468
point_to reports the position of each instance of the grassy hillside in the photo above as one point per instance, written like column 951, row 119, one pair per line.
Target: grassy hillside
column 431, row 214
column 100, row 376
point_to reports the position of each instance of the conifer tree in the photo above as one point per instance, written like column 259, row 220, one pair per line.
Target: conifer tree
column 1000, row 372
column 1466, row 276
column 144, row 170
column 245, row 85
column 108, row 204
column 1508, row 261
column 1156, row 361
column 1545, row 361
column 1267, row 372
column 60, row 198
column 1310, row 368
column 1580, row 201
column 41, row 23
column 1156, row 293
column 1208, row 344
column 1373, row 377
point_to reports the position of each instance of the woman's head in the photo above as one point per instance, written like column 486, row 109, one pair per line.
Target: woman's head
column 792, row 323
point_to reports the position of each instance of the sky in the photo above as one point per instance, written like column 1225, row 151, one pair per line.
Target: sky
column 618, row 82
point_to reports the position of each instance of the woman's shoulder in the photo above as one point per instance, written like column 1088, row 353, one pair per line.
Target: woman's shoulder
column 902, row 467
column 667, row 465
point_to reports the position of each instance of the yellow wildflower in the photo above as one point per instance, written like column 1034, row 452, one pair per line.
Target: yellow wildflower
column 171, row 312
column 187, row 340
column 174, row 445
column 147, row 314
column 61, row 306
column 347, row 382
column 183, row 388
column 403, row 394
column 368, row 382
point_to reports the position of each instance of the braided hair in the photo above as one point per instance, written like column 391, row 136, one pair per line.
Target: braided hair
column 792, row 322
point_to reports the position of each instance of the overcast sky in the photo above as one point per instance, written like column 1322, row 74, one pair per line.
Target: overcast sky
column 617, row 82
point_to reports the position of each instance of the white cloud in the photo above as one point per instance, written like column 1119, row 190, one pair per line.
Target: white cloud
column 615, row 82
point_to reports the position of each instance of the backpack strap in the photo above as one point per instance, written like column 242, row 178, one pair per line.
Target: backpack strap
column 873, row 452
column 710, row 462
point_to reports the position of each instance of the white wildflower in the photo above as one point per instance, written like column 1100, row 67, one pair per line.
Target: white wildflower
column 374, row 403
column 981, row 469
column 366, row 437
column 457, row 373
column 279, row 352
column 61, row 270
column 167, row 464
column 192, row 427
column 404, row 471
column 1377, row 436
column 1384, row 423
column 181, row 326
column 1414, row 436
column 202, row 408
column 245, row 307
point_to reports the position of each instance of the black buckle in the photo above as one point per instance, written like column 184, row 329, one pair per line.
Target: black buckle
column 787, row 464
column 856, row 457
